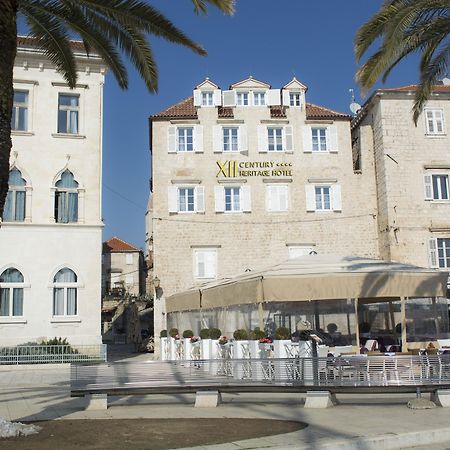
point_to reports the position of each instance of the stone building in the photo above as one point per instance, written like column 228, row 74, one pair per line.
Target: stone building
column 50, row 238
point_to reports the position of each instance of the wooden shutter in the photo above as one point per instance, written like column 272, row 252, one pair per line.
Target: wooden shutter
column 199, row 262
column 242, row 138
column 336, row 193
column 286, row 98
column 332, row 139
column 428, row 185
column 217, row 97
column 173, row 199
column 433, row 253
column 228, row 98
column 219, row 197
column 197, row 97
column 310, row 197
column 289, row 139
column 210, row 258
column 283, row 195
column 172, row 139
column 270, row 197
column 217, row 139
column 307, row 139
column 273, row 97
column 199, row 199
column 198, row 139
column 262, row 139
column 246, row 199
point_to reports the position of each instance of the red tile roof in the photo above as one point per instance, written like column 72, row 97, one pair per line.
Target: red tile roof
column 26, row 41
column 320, row 112
column 184, row 109
column 413, row 87
column 118, row 245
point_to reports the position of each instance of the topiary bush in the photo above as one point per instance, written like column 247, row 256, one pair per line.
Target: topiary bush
column 240, row 335
column 215, row 333
column 257, row 334
column 188, row 333
column 173, row 332
column 282, row 333
column 205, row 333
column 163, row 333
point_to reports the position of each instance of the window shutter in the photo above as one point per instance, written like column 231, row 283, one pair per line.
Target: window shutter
column 199, row 261
column 337, row 202
column 283, row 197
column 273, row 97
column 307, row 139
column 310, row 197
column 217, row 97
column 199, row 199
column 228, row 98
column 246, row 199
column 217, row 139
column 286, row 98
column 210, row 264
column 428, row 183
column 173, row 199
column 432, row 253
column 172, row 139
column 219, row 196
column 262, row 139
column 332, row 139
column 289, row 140
column 197, row 97
column 198, row 139
column 270, row 194
column 242, row 138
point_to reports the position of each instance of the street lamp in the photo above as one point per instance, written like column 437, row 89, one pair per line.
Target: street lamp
column 156, row 282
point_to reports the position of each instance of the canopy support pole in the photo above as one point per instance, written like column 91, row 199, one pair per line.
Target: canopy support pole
column 403, row 318
column 358, row 343
column 261, row 316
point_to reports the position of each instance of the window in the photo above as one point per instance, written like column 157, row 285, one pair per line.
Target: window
column 129, row 280
column 68, row 109
column 242, row 98
column 296, row 251
column 443, row 249
column 19, row 118
column 277, row 197
column 323, row 199
column 230, row 139
column 66, row 198
column 233, row 199
column 434, row 120
column 129, row 258
column 11, row 293
column 65, row 293
column 14, row 210
column 208, row 98
column 319, row 139
column 436, row 187
column 295, row 99
column 275, row 139
column 186, row 200
column 185, row 139
column 205, row 263
column 323, row 196
column 259, row 98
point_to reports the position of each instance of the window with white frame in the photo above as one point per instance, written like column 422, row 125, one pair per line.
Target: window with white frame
column 277, row 197
column 295, row 251
column 68, row 113
column 229, row 199
column 66, row 198
column 11, row 293
column 14, row 209
column 207, row 98
column 205, row 263
column 185, row 139
column 230, row 139
column 295, row 99
column 242, row 98
column 439, row 249
column 434, row 120
column 259, row 98
column 319, row 139
column 129, row 259
column 323, row 197
column 19, row 118
column 65, row 293
column 186, row 199
column 436, row 186
column 275, row 139
column 233, row 199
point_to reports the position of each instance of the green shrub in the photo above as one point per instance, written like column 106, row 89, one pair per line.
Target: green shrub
column 215, row 333
column 188, row 333
column 240, row 335
column 173, row 332
column 257, row 334
column 163, row 333
column 282, row 333
column 205, row 333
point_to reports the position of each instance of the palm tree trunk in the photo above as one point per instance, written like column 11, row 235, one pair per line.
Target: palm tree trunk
column 8, row 48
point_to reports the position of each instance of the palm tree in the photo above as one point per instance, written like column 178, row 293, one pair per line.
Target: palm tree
column 406, row 27
column 111, row 27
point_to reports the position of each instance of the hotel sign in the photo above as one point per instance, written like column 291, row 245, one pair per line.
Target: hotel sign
column 235, row 169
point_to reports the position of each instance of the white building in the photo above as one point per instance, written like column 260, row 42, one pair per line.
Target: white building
column 50, row 239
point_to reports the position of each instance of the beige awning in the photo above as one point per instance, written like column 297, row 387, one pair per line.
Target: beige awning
column 184, row 301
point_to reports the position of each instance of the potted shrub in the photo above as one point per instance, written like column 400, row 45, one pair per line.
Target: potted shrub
column 240, row 335
column 164, row 347
column 173, row 332
column 215, row 333
column 205, row 333
column 282, row 333
column 163, row 333
column 187, row 334
column 205, row 343
column 257, row 334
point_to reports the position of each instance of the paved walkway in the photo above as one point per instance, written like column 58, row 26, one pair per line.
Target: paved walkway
column 359, row 422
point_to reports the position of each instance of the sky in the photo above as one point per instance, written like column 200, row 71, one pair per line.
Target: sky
column 270, row 40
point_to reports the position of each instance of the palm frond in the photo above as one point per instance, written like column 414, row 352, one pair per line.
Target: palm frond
column 226, row 6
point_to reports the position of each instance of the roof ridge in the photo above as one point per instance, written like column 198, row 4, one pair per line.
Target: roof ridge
column 124, row 242
column 325, row 107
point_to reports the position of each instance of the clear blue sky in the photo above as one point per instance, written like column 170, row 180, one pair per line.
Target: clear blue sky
column 269, row 39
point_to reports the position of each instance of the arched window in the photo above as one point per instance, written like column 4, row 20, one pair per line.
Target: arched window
column 14, row 210
column 65, row 293
column 11, row 293
column 66, row 198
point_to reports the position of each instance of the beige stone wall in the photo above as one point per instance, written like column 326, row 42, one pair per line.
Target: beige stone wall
column 116, row 271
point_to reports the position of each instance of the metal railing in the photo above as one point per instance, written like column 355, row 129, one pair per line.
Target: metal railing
column 331, row 372
column 46, row 354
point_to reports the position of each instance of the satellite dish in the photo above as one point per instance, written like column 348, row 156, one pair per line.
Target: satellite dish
column 446, row 81
column 355, row 107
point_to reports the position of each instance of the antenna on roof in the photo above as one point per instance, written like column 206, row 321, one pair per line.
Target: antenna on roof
column 354, row 106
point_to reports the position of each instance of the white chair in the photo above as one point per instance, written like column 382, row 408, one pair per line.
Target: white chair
column 342, row 349
column 371, row 345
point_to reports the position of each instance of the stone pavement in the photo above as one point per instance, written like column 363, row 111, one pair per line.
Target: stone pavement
column 31, row 393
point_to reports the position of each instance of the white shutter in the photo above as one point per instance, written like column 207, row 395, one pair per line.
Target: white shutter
column 286, row 98
column 173, row 199
column 217, row 96
column 283, row 192
column 336, row 193
column 289, row 140
column 197, row 97
column 432, row 253
column 332, row 139
column 270, row 197
column 219, row 196
column 246, row 199
column 199, row 199
column 172, row 139
column 263, row 142
column 210, row 258
column 273, row 97
column 307, row 139
column 310, row 197
column 217, row 139
column 428, row 184
column 199, row 262
column 198, row 139
column 228, row 98
column 242, row 138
